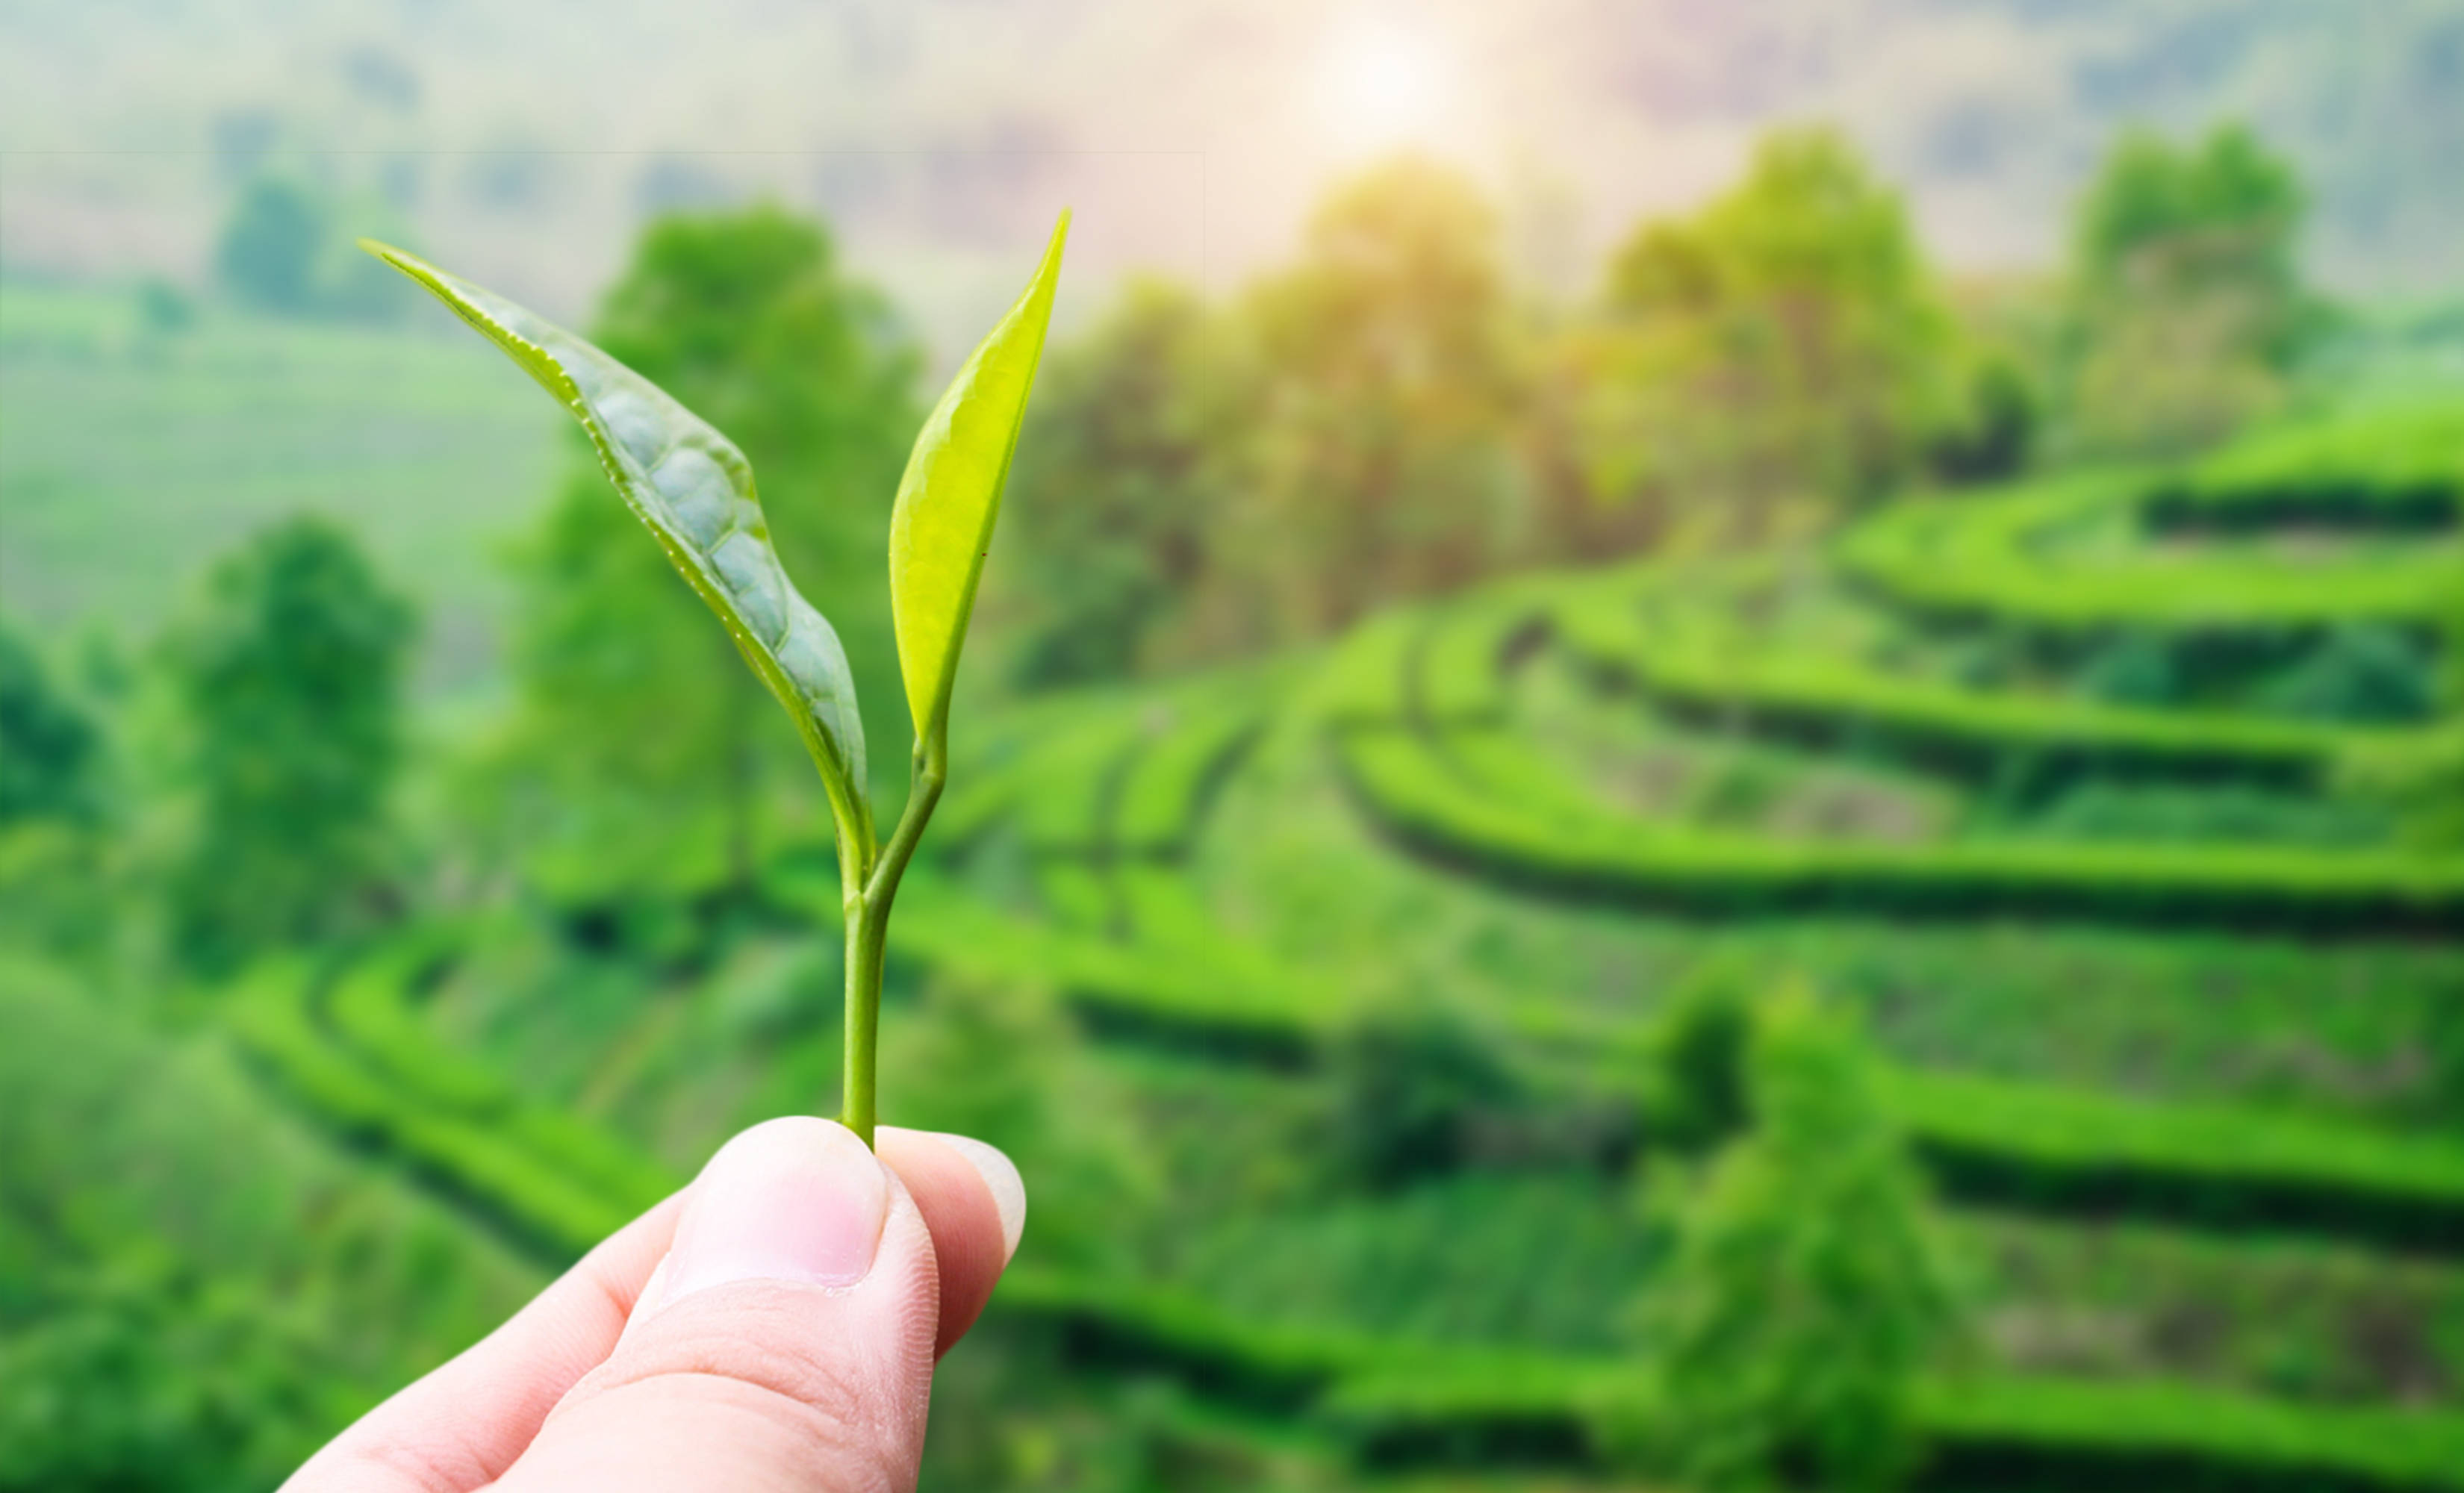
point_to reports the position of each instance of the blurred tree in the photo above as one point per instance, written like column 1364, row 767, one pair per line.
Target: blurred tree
column 642, row 754
column 1807, row 1290
column 48, row 746
column 287, row 248
column 268, row 252
column 2357, row 670
column 1414, row 1089
column 1787, row 345
column 288, row 680
column 1383, row 456
column 1991, row 442
column 1694, row 1084
column 163, row 308
column 1119, row 476
column 2189, row 303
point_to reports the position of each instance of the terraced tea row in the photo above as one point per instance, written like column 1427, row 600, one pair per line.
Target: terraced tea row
column 1377, row 1404
column 2087, row 553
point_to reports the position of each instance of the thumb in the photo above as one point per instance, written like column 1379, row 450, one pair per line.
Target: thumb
column 786, row 1343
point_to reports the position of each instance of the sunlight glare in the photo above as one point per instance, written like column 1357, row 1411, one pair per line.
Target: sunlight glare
column 1383, row 85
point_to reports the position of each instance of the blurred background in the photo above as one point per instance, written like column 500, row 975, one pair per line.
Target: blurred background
column 1712, row 747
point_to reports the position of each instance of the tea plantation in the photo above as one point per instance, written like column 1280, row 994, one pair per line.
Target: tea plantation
column 1329, row 1003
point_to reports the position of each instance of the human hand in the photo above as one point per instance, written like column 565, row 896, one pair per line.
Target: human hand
column 774, row 1325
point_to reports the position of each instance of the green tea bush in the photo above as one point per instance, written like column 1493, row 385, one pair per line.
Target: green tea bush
column 196, row 1290
column 1694, row 1085
column 1414, row 1090
column 288, row 677
column 1808, row 1293
column 2359, row 671
column 49, row 749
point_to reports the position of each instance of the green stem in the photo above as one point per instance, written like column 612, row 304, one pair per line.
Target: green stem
column 868, row 931
column 864, row 951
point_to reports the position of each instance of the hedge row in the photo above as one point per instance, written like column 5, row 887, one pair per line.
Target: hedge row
column 1367, row 678
column 1970, row 556
column 532, row 1200
column 1517, row 823
column 1067, row 786
column 1458, row 674
column 1398, row 1403
column 1181, row 983
column 2403, row 466
column 1815, row 700
column 1994, row 1141
column 1163, row 801
column 1125, row 773
column 370, row 1010
column 1403, row 1405
column 1431, row 665
column 1220, row 1006
column 2042, row 1435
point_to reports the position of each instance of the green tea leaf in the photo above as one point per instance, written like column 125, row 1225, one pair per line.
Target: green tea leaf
column 693, row 490
column 951, row 494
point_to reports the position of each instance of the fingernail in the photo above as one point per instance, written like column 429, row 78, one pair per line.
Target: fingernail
column 1008, row 1188
column 793, row 1200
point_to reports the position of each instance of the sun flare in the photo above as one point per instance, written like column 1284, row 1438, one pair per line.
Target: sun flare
column 1383, row 85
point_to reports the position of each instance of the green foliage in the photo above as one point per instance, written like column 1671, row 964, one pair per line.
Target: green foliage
column 1807, row 1294
column 194, row 1292
column 49, row 748
column 996, row 1058
column 1116, row 492
column 2189, row 298
column 288, row 681
column 1786, row 345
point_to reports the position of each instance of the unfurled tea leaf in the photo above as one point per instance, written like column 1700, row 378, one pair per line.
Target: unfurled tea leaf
column 693, row 490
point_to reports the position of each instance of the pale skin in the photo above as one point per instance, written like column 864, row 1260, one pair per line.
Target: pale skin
column 772, row 1327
